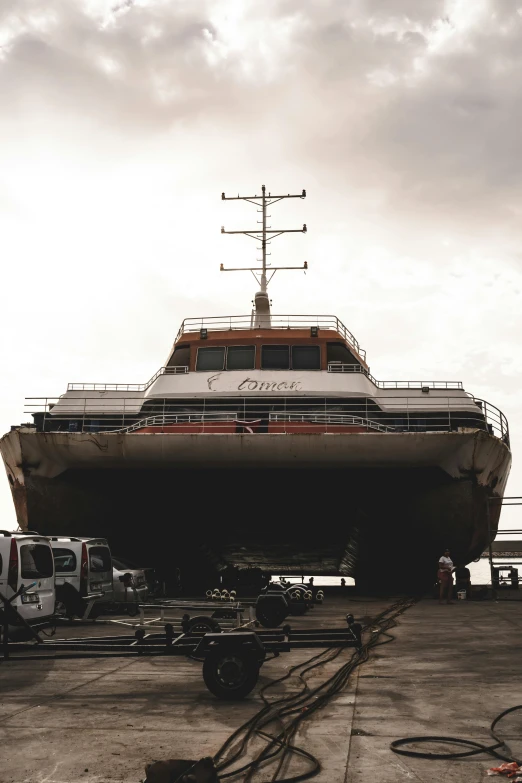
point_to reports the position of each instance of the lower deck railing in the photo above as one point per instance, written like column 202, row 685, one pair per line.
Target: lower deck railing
column 269, row 415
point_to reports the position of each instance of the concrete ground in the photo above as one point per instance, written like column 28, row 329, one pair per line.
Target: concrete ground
column 450, row 670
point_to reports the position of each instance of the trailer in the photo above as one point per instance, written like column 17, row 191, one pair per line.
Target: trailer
column 231, row 661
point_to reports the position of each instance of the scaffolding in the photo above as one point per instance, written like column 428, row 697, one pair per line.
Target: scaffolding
column 502, row 574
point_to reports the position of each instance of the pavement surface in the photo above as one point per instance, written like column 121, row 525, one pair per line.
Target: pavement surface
column 450, row 670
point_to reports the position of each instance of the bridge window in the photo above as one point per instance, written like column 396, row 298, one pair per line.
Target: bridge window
column 210, row 359
column 241, row 357
column 275, row 357
column 306, row 357
column 338, row 352
column 181, row 356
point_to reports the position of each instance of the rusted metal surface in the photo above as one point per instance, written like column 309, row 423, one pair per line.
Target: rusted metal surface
column 15, row 466
column 458, row 454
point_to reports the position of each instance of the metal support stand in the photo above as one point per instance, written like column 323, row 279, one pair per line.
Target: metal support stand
column 91, row 600
column 494, row 569
column 490, row 549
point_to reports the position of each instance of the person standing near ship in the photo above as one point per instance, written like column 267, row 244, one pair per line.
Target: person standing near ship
column 444, row 575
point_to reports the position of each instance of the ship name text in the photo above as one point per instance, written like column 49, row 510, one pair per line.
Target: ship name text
column 250, row 384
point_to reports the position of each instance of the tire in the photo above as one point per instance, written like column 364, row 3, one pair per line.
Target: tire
column 230, row 677
column 74, row 604
column 203, row 624
column 271, row 615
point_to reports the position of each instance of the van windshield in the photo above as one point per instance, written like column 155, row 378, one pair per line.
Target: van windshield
column 100, row 558
column 36, row 561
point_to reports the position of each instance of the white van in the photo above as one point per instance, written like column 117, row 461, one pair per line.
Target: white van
column 27, row 559
column 83, row 571
column 130, row 583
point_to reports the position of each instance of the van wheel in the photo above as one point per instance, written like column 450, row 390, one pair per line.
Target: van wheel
column 69, row 597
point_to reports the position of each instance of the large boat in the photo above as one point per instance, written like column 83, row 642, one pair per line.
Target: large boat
column 264, row 442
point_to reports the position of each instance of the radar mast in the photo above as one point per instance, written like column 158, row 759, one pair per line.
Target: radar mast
column 265, row 234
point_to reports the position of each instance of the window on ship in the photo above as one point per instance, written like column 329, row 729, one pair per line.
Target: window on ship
column 210, row 359
column 275, row 357
column 180, row 357
column 306, row 357
column 241, row 357
column 338, row 352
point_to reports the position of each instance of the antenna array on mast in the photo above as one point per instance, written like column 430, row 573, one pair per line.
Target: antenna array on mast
column 264, row 235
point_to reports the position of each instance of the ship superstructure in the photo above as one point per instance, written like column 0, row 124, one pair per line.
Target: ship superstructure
column 265, row 441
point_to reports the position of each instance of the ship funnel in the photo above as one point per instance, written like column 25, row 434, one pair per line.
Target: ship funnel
column 262, row 311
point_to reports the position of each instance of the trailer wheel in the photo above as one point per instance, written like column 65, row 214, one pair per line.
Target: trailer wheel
column 203, row 624
column 230, row 676
column 271, row 615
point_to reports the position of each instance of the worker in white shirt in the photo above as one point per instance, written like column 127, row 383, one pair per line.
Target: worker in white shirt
column 445, row 578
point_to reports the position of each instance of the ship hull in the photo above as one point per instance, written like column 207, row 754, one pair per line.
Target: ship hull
column 380, row 508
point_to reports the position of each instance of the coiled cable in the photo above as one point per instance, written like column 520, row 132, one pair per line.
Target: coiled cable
column 477, row 747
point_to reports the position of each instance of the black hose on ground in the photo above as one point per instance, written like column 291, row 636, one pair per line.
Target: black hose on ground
column 477, row 747
column 290, row 711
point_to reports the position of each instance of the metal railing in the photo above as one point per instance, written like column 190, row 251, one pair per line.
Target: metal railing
column 232, row 322
column 180, row 418
column 329, row 418
column 358, row 368
column 387, row 414
column 333, row 367
column 127, row 386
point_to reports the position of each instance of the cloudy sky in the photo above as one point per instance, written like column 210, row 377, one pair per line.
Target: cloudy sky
column 121, row 122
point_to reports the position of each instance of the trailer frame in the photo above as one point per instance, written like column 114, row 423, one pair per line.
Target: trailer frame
column 231, row 660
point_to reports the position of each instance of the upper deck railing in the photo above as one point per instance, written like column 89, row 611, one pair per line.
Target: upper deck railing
column 233, row 322
column 334, row 367
column 347, row 368
column 137, row 387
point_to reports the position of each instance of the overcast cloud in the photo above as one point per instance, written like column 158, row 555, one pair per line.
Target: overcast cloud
column 121, row 123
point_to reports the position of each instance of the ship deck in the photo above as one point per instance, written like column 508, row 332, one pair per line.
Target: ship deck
column 450, row 671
